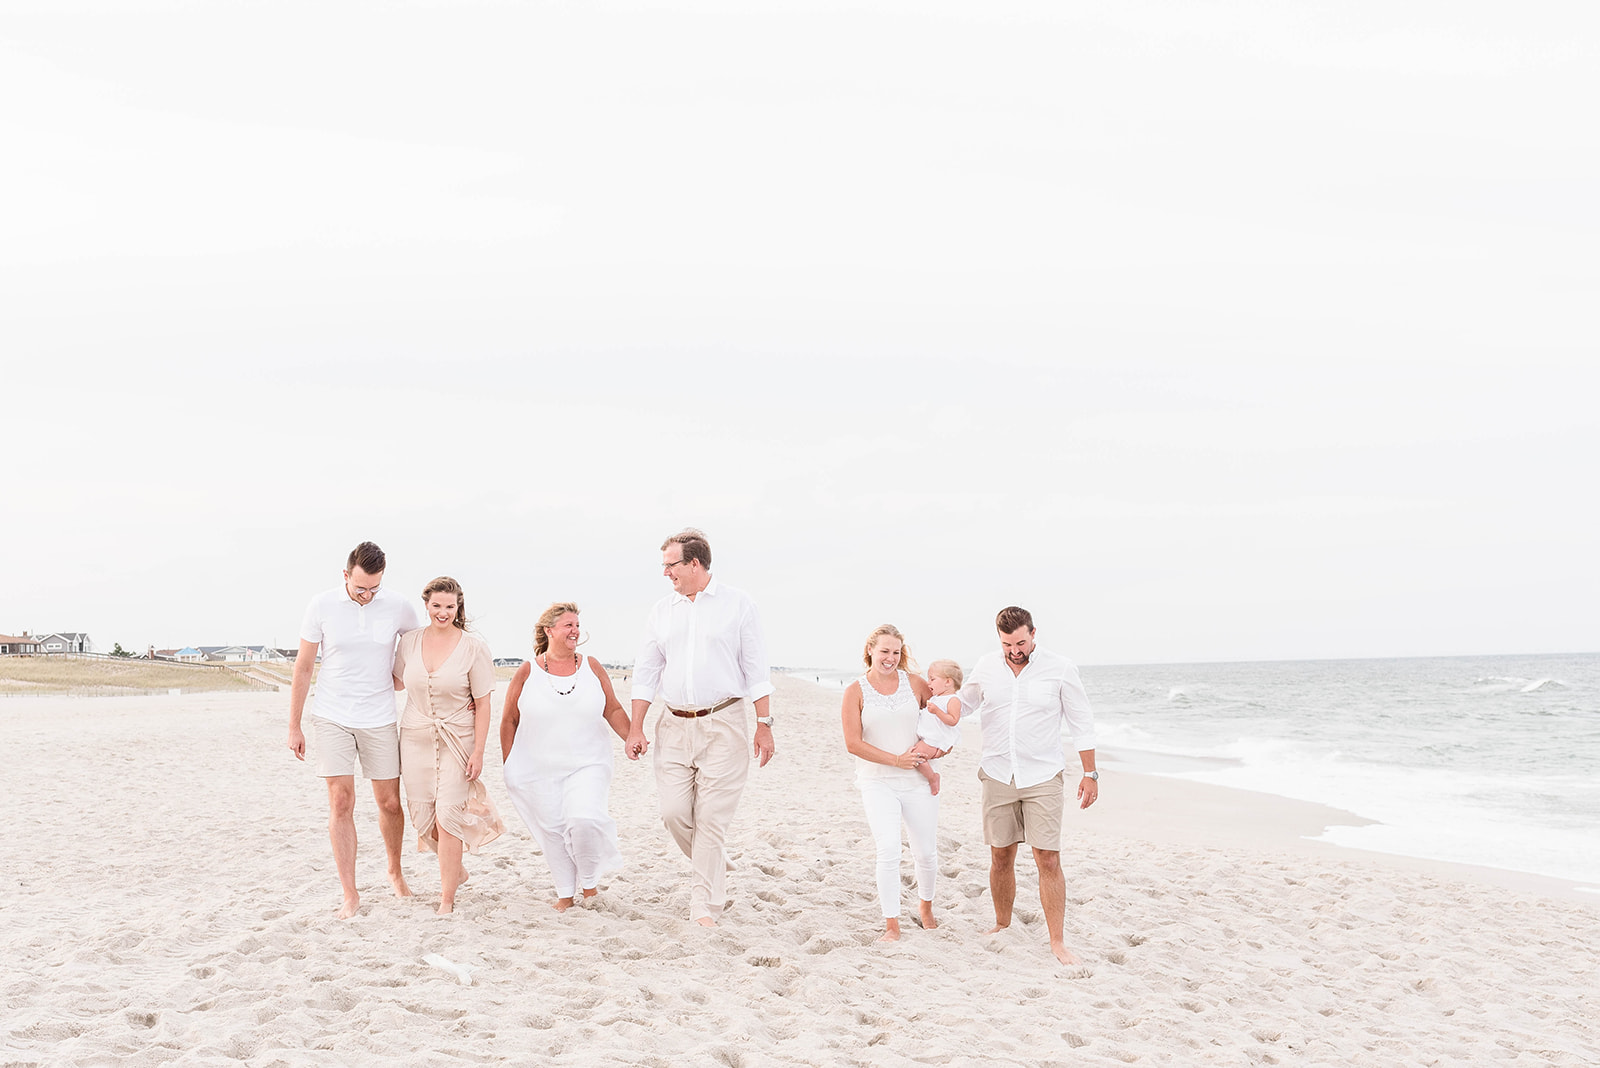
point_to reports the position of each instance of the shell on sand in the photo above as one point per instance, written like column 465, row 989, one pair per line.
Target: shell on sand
column 169, row 897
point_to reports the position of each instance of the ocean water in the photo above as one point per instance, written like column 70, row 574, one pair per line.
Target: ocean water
column 1489, row 760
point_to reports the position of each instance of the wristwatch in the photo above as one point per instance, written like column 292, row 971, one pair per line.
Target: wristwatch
column 765, row 721
column 1092, row 776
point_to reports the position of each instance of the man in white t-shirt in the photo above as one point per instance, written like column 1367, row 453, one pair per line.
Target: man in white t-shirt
column 1025, row 699
column 356, row 626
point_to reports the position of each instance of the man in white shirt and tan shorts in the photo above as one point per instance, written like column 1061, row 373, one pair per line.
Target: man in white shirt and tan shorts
column 705, row 657
column 1024, row 696
column 355, row 626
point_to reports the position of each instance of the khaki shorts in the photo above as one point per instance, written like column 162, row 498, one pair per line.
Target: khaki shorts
column 339, row 747
column 1031, row 815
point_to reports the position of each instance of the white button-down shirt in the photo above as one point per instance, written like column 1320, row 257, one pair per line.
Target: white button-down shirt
column 699, row 653
column 1022, row 715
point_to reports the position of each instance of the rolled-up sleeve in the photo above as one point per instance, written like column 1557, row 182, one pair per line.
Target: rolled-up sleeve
column 1075, row 709
column 647, row 666
column 753, row 663
column 970, row 696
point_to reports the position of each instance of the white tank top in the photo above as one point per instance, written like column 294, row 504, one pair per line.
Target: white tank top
column 560, row 727
column 888, row 721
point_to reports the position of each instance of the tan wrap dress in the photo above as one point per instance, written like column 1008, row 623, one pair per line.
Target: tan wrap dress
column 436, row 737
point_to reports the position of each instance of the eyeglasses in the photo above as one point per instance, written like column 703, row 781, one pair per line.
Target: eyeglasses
column 668, row 565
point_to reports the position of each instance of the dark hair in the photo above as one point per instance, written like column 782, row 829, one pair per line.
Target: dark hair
column 695, row 546
column 541, row 635
column 1011, row 618
column 368, row 557
column 446, row 584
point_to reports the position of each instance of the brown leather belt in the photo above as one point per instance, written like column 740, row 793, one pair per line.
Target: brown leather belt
column 696, row 713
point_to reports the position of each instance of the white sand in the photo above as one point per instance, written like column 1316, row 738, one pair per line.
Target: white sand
column 169, row 898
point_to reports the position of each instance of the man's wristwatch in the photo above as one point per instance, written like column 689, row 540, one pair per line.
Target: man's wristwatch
column 765, row 721
column 1092, row 776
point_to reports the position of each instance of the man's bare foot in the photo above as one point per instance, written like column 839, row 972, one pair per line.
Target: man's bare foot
column 706, row 921
column 1063, row 954
column 933, row 783
column 398, row 880
column 891, row 931
column 998, row 927
column 348, row 909
column 925, row 915
column 563, row 904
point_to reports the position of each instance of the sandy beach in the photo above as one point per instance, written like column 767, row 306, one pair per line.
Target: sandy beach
column 169, row 899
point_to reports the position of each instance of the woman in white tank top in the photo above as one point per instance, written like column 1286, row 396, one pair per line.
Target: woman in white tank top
column 880, row 730
column 557, row 749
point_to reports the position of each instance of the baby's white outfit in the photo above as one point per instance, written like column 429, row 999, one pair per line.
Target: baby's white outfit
column 935, row 731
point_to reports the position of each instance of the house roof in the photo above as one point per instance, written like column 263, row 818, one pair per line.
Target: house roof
column 67, row 635
column 10, row 639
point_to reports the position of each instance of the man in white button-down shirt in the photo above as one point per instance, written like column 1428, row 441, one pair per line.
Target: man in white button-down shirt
column 1025, row 696
column 705, row 657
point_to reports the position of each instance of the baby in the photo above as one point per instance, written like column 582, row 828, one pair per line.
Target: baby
column 938, row 728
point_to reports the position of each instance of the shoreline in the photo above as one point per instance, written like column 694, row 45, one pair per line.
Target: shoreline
column 1173, row 811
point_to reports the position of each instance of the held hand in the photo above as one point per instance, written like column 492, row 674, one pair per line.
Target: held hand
column 1088, row 791
column 764, row 746
column 474, row 767
column 297, row 743
column 636, row 746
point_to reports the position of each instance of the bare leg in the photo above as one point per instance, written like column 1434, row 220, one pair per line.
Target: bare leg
column 342, row 833
column 925, row 769
column 1002, row 884
column 1053, row 899
column 392, row 822
column 449, row 870
column 925, row 914
column 891, row 930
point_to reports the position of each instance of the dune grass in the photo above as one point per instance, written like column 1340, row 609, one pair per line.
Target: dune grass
column 66, row 674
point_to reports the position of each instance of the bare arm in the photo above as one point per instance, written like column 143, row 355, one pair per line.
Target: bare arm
column 509, row 716
column 304, row 664
column 637, row 745
column 850, row 716
column 613, row 712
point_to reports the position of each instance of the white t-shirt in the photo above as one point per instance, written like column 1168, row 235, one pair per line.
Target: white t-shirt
column 355, row 687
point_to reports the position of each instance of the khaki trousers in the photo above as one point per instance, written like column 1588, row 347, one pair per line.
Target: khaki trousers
column 701, row 768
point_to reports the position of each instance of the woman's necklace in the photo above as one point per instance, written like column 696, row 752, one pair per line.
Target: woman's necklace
column 545, row 667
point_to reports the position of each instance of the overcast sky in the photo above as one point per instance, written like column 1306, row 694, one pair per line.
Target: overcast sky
column 1207, row 331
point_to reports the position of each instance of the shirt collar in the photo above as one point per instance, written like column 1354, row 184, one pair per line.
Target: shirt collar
column 709, row 591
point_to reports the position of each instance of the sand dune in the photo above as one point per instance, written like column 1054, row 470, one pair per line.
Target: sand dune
column 169, row 899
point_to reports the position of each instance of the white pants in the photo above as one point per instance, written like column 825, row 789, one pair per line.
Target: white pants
column 887, row 804
column 568, row 818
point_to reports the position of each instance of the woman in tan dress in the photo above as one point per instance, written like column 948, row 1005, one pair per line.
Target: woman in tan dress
column 448, row 675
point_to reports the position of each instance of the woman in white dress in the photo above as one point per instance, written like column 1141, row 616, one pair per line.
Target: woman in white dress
column 880, row 730
column 558, row 755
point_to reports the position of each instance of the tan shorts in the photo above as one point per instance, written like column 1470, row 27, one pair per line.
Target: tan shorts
column 1031, row 815
column 338, row 748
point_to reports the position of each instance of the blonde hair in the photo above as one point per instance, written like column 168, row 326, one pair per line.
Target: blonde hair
column 891, row 631
column 541, row 637
column 947, row 669
column 444, row 584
